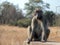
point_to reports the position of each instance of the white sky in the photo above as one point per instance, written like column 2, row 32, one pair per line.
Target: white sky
column 20, row 3
column 53, row 5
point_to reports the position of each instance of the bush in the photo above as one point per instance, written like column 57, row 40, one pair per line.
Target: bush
column 14, row 23
column 24, row 22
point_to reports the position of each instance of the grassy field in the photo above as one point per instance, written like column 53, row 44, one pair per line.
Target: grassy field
column 12, row 35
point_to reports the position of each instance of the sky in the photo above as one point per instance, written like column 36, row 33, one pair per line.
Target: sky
column 53, row 4
column 20, row 3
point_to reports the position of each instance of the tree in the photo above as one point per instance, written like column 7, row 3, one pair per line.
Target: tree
column 32, row 4
column 50, row 15
column 10, row 13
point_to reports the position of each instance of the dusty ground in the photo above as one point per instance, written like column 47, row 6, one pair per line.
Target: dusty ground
column 12, row 35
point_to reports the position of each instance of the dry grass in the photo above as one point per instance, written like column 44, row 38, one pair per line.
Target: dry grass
column 12, row 35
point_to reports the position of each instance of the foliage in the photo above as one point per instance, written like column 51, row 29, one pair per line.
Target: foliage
column 57, row 20
column 14, row 23
column 21, row 23
column 9, row 12
column 24, row 22
column 33, row 4
column 50, row 15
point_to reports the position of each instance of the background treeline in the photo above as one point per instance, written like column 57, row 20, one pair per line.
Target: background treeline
column 10, row 13
column 13, row 15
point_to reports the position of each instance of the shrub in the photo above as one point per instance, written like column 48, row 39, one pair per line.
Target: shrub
column 24, row 22
column 14, row 23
